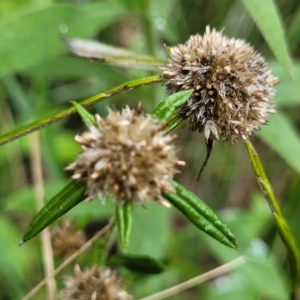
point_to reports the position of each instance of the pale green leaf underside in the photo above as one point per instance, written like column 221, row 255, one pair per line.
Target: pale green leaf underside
column 266, row 15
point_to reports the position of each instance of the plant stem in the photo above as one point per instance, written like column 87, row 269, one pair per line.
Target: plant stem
column 198, row 279
column 127, row 86
column 281, row 224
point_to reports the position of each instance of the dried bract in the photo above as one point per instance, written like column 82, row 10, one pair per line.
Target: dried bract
column 233, row 88
column 96, row 283
column 127, row 156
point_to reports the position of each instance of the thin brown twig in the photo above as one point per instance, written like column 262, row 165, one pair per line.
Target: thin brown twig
column 197, row 280
column 68, row 260
column 38, row 182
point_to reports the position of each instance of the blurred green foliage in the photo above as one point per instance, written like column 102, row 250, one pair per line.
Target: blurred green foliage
column 39, row 76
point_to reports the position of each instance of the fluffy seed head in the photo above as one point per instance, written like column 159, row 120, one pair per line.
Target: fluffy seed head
column 232, row 86
column 126, row 156
column 96, row 283
column 66, row 238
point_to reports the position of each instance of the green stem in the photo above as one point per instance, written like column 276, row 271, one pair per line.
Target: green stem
column 281, row 224
column 129, row 85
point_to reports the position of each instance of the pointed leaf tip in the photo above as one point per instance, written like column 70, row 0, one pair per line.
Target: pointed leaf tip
column 71, row 195
column 201, row 215
column 87, row 118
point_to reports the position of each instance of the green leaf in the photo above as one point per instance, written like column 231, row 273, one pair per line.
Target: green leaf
column 200, row 215
column 129, row 85
column 61, row 203
column 269, row 22
column 138, row 263
column 281, row 135
column 124, row 223
column 166, row 109
column 87, row 118
column 36, row 36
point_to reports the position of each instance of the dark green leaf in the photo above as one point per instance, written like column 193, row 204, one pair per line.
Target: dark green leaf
column 202, row 208
column 138, row 263
column 67, row 198
column 269, row 22
column 200, row 215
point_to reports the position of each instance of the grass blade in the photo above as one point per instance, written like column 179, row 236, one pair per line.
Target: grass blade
column 268, row 21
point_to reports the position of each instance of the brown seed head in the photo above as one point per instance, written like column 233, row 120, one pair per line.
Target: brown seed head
column 233, row 88
column 66, row 238
column 96, row 283
column 127, row 156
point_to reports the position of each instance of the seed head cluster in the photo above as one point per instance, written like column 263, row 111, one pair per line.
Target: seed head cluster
column 127, row 156
column 96, row 283
column 232, row 86
column 66, row 238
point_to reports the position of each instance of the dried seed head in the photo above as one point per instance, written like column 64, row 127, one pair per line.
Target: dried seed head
column 233, row 88
column 127, row 156
column 66, row 238
column 96, row 283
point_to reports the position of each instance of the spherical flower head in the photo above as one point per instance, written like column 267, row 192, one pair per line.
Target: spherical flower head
column 66, row 238
column 232, row 86
column 96, row 283
column 127, row 156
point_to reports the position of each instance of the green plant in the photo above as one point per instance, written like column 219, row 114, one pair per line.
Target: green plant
column 33, row 68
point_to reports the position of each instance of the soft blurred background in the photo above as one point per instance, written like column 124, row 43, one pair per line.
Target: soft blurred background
column 39, row 77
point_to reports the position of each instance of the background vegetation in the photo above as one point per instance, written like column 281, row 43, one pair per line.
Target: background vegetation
column 39, row 76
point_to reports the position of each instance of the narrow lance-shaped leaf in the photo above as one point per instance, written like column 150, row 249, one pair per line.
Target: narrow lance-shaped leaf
column 61, row 203
column 87, row 118
column 281, row 224
column 166, row 109
column 205, row 210
column 268, row 21
column 200, row 215
column 124, row 223
column 138, row 263
column 126, row 86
